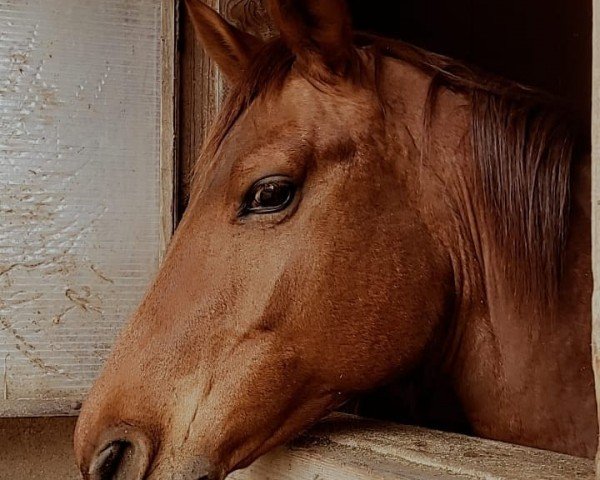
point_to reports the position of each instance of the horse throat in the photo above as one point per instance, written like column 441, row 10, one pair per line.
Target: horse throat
column 522, row 375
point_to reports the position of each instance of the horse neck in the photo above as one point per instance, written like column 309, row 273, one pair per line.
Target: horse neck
column 524, row 376
column 519, row 375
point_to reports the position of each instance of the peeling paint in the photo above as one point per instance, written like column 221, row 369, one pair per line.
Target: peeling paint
column 83, row 299
column 56, row 319
column 101, row 275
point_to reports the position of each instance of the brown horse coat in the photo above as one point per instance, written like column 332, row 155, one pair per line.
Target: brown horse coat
column 362, row 209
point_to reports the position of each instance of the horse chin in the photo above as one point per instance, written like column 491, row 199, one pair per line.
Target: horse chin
column 288, row 429
column 196, row 469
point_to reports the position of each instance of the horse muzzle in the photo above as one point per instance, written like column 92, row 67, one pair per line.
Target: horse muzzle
column 125, row 453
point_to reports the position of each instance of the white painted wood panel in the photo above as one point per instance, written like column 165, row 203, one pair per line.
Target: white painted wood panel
column 83, row 210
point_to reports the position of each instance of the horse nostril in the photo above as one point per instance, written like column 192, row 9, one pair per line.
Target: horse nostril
column 105, row 465
column 126, row 455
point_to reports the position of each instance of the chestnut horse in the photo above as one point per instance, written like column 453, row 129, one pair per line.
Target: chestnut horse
column 363, row 210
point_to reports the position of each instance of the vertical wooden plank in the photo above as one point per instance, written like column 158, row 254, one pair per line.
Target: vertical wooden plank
column 167, row 114
column 201, row 87
column 596, row 206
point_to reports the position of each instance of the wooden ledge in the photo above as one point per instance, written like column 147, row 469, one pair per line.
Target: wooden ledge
column 344, row 447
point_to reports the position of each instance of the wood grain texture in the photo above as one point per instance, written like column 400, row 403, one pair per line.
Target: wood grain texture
column 349, row 448
column 168, row 123
column 248, row 15
column 596, row 208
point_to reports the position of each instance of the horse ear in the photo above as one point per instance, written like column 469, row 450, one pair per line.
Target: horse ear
column 319, row 32
column 229, row 47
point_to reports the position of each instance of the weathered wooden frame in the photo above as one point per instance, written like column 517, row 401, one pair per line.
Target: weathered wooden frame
column 350, row 448
column 168, row 113
column 596, row 206
column 344, row 447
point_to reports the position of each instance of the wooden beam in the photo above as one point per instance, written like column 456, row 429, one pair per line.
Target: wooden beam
column 248, row 15
column 167, row 113
column 344, row 447
column 596, row 207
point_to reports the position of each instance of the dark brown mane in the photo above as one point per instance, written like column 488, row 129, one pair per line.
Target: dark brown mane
column 522, row 146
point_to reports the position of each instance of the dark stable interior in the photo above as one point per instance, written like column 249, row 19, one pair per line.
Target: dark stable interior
column 546, row 44
column 541, row 43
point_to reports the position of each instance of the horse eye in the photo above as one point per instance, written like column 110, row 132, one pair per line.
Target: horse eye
column 269, row 195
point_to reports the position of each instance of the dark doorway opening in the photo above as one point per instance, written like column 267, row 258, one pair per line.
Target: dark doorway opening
column 541, row 43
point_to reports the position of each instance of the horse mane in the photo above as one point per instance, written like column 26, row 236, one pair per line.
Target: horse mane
column 522, row 145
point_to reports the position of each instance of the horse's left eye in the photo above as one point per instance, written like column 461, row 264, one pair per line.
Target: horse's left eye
column 269, row 195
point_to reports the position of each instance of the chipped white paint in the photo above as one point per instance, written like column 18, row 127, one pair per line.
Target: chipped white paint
column 80, row 188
